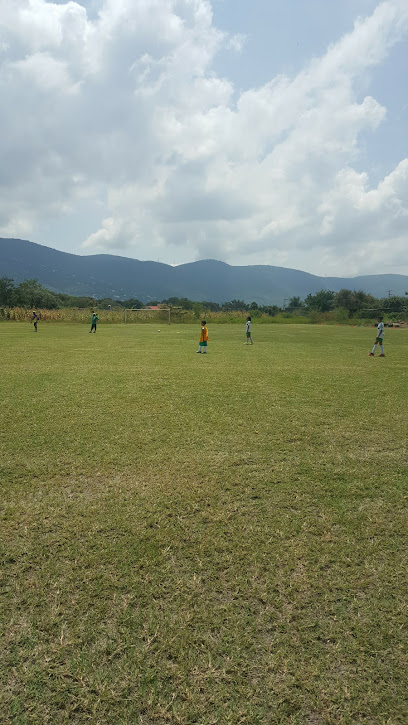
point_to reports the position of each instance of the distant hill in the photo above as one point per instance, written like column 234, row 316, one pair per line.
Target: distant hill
column 105, row 275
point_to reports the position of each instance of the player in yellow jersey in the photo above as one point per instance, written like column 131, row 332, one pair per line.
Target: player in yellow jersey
column 202, row 345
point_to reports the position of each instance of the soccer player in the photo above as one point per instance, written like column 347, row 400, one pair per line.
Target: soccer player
column 202, row 345
column 379, row 340
column 248, row 331
column 35, row 319
column 94, row 320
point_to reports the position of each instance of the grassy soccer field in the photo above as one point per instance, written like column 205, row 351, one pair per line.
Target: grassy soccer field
column 203, row 539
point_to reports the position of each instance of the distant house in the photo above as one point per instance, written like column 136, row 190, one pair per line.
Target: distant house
column 153, row 307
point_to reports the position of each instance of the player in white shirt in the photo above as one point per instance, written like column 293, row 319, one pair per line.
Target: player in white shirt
column 248, row 331
column 379, row 340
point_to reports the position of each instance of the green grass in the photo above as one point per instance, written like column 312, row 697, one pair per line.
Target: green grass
column 191, row 539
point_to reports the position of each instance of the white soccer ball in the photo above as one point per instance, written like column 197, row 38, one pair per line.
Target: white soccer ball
column 158, row 330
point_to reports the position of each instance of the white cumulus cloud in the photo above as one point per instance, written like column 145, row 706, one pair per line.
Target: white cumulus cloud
column 123, row 114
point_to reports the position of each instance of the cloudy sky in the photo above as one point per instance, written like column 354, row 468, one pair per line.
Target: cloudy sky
column 250, row 131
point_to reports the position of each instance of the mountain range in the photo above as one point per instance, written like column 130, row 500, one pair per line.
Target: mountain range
column 105, row 275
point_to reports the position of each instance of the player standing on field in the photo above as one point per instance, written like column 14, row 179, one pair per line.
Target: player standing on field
column 248, row 331
column 379, row 340
column 202, row 345
column 35, row 319
column 94, row 320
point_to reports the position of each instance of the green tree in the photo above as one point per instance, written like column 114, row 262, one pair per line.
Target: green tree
column 353, row 301
column 6, row 291
column 322, row 301
column 394, row 304
column 182, row 302
column 134, row 303
column 72, row 301
column 197, row 309
column 31, row 293
column 295, row 303
column 235, row 305
column 211, row 306
column 105, row 303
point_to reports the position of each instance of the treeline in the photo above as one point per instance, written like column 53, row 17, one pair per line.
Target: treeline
column 350, row 303
column 346, row 303
column 233, row 306
column 30, row 294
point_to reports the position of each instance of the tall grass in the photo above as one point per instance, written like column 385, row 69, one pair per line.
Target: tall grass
column 20, row 314
column 116, row 316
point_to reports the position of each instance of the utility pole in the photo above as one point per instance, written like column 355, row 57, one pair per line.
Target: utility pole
column 284, row 302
